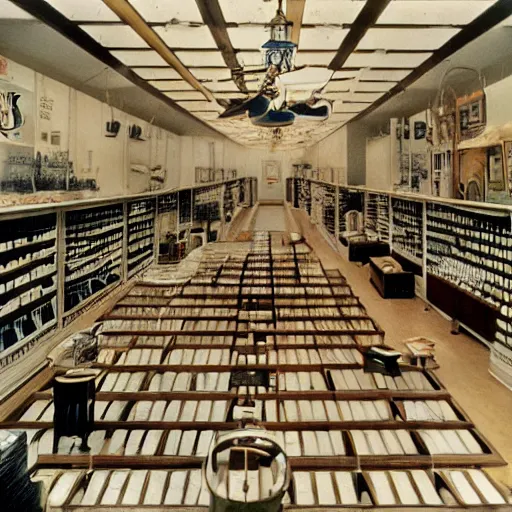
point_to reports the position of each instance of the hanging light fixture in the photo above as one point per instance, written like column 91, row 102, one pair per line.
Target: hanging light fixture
column 279, row 51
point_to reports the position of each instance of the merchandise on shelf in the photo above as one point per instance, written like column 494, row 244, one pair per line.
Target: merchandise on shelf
column 28, row 277
column 94, row 246
column 141, row 234
column 408, row 228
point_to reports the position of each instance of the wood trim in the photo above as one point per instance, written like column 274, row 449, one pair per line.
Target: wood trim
column 213, row 17
column 129, row 15
column 295, row 15
column 369, row 462
column 366, row 18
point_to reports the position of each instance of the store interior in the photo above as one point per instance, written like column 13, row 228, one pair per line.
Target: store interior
column 255, row 255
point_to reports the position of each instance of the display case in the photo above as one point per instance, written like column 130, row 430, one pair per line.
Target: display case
column 350, row 202
column 141, row 234
column 167, row 227
column 94, row 247
column 28, row 278
column 302, row 198
column 377, row 216
column 323, row 206
column 408, row 229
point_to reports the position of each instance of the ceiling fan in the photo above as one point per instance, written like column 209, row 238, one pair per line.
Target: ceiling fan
column 287, row 93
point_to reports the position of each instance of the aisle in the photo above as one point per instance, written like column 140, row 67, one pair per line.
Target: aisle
column 266, row 323
column 270, row 218
column 464, row 362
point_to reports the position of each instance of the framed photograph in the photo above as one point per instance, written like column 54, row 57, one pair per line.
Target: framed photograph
column 475, row 112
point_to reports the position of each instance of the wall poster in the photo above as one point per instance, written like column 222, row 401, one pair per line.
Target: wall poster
column 272, row 172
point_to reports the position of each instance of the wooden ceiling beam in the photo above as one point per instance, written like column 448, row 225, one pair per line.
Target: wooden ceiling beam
column 494, row 15
column 51, row 17
column 211, row 13
column 367, row 17
column 295, row 15
column 131, row 17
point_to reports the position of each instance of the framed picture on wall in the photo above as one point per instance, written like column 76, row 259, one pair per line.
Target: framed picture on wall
column 272, row 172
column 471, row 111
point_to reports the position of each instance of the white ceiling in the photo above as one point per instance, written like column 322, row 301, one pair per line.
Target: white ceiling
column 404, row 36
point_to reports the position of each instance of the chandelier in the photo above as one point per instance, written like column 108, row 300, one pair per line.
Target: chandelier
column 279, row 51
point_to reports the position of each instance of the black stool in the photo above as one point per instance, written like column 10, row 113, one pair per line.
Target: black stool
column 74, row 396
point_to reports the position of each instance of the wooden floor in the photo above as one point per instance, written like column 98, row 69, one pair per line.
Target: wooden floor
column 270, row 218
column 263, row 319
column 463, row 360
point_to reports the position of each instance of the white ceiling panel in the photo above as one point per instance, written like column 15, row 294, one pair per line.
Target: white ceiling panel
column 331, row 11
column 208, row 116
column 386, row 60
column 338, row 86
column 201, row 59
column 230, row 86
column 80, row 10
column 406, row 39
column 12, row 12
column 433, row 12
column 230, row 95
column 342, row 73
column 184, row 95
column 342, row 107
column 139, row 58
column 249, row 11
column 321, row 38
column 386, row 74
column 353, row 96
column 314, row 59
column 163, row 11
column 158, row 73
column 250, row 59
column 206, row 73
column 375, row 86
column 179, row 36
column 115, row 36
column 201, row 106
column 171, row 85
column 248, row 38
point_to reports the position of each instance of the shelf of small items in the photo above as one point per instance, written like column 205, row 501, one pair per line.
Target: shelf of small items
column 408, row 229
column 377, row 216
column 28, row 273
column 302, row 198
column 168, row 227
column 141, row 234
column 323, row 205
column 471, row 250
column 231, row 199
column 349, row 201
column 94, row 239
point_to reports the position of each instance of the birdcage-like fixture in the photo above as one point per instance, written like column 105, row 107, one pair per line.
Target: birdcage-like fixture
column 279, row 50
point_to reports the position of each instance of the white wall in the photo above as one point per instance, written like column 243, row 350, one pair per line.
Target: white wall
column 50, row 107
column 378, row 163
column 499, row 104
column 331, row 153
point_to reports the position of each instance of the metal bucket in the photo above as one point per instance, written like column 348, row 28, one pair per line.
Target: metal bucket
column 251, row 442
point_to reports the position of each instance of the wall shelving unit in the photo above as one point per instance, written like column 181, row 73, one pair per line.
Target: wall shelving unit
column 141, row 234
column 28, row 278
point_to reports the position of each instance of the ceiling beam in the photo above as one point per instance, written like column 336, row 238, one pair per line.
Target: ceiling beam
column 366, row 18
column 212, row 16
column 131, row 17
column 51, row 17
column 497, row 13
column 295, row 15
